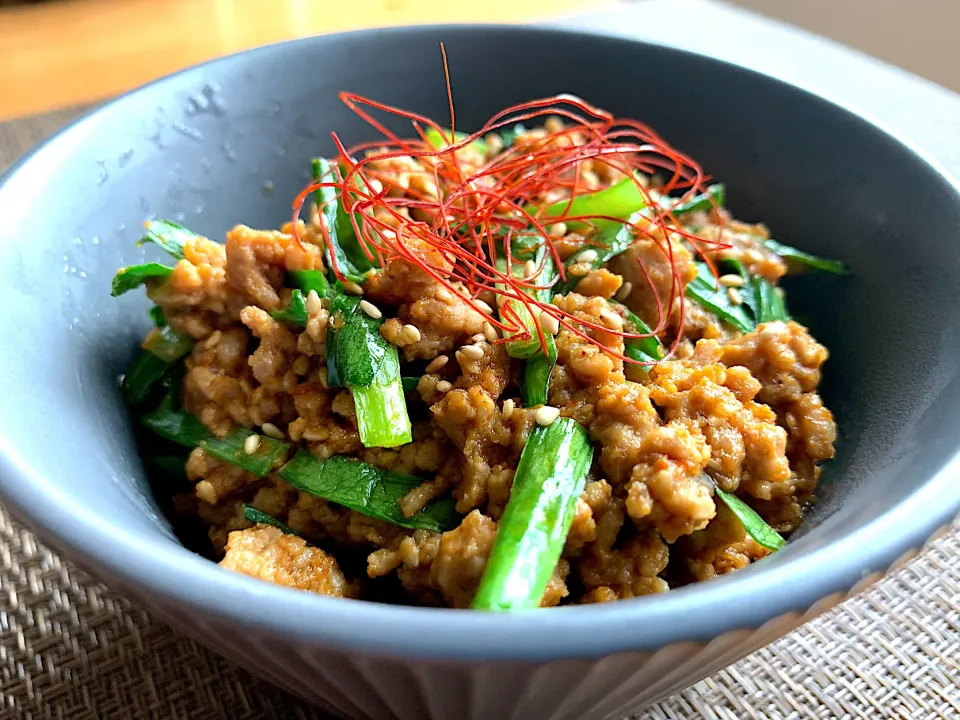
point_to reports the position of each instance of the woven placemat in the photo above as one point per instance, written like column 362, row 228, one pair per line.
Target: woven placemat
column 70, row 648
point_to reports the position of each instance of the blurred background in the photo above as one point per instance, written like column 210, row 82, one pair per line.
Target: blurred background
column 60, row 53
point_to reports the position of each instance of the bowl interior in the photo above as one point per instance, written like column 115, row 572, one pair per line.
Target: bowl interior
column 229, row 143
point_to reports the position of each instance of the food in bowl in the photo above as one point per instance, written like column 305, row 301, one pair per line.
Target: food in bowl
column 532, row 365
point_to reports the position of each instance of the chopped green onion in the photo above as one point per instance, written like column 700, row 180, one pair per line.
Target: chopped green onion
column 646, row 349
column 295, row 313
column 438, row 140
column 536, row 375
column 167, row 344
column 606, row 246
column 185, row 429
column 755, row 525
column 620, row 200
column 158, row 316
column 251, row 514
column 367, row 489
column 708, row 292
column 509, row 135
column 409, row 383
column 549, row 480
column 359, row 357
column 351, row 260
column 142, row 377
column 771, row 303
column 715, row 196
column 169, row 236
column 382, row 417
column 163, row 347
column 130, row 278
column 763, row 299
column 525, row 343
column 804, row 258
column 307, row 280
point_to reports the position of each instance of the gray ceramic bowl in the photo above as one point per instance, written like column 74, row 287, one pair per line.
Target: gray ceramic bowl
column 228, row 142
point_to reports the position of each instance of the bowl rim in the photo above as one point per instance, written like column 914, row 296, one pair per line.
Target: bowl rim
column 745, row 600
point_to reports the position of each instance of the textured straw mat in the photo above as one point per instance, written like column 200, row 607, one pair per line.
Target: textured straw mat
column 71, row 649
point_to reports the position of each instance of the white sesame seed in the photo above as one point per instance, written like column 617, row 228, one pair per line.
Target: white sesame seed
column 271, row 430
column 444, row 295
column 611, row 319
column 437, row 363
column 213, row 340
column 474, row 352
column 444, row 386
column 579, row 268
column 735, row 297
column 484, row 307
column 731, row 280
column 546, row 414
column 549, row 323
column 375, row 185
column 313, row 303
column 587, row 256
column 251, row 444
column 206, row 492
column 352, row 288
column 624, row 292
column 557, row 229
column 478, row 338
column 370, row 309
column 490, row 333
column 507, row 409
column 411, row 333
column 529, row 268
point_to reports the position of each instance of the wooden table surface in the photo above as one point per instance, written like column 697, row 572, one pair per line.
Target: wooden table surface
column 65, row 52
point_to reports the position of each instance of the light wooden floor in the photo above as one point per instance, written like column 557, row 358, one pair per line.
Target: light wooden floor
column 71, row 51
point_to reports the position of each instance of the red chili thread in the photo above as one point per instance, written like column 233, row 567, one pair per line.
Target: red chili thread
column 483, row 202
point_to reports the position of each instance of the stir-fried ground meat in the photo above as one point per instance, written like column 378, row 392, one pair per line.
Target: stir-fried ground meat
column 738, row 411
column 270, row 554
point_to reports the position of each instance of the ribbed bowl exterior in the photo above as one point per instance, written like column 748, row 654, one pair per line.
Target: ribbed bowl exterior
column 383, row 688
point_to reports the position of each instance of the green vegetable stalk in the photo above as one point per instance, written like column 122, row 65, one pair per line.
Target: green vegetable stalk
column 169, row 236
column 438, row 140
column 130, row 278
column 715, row 196
column 161, row 349
column 185, row 429
column 351, row 259
column 251, row 514
column 294, row 313
column 366, row 489
column 799, row 257
column 755, row 525
column 525, row 344
column 645, row 349
column 549, row 479
column 535, row 385
column 603, row 248
column 359, row 358
column 712, row 296
column 620, row 200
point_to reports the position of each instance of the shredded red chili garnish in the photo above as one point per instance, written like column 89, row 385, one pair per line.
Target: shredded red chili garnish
column 479, row 207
